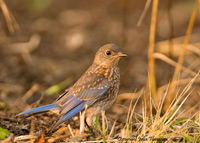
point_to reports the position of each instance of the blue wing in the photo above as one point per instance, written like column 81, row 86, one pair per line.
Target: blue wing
column 87, row 95
column 75, row 105
column 78, row 97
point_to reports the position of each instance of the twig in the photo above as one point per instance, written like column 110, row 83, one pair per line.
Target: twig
column 151, row 48
column 24, row 137
column 103, row 126
column 82, row 123
column 144, row 12
column 173, row 63
column 112, row 129
column 10, row 19
column 29, row 93
column 70, row 129
column 32, row 128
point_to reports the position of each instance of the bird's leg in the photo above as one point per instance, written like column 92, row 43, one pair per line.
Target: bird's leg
column 93, row 134
column 92, row 129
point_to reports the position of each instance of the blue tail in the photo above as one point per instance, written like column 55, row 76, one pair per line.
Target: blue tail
column 39, row 109
column 68, row 115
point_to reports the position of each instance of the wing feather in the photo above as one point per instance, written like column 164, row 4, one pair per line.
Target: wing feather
column 78, row 94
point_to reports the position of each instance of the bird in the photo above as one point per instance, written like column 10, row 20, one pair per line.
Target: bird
column 95, row 91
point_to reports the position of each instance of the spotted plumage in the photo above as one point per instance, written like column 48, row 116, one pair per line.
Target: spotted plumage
column 96, row 89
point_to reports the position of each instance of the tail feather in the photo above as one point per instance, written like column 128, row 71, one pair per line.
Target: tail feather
column 68, row 115
column 39, row 109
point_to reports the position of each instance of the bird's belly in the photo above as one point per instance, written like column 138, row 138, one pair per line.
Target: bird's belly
column 102, row 104
column 108, row 99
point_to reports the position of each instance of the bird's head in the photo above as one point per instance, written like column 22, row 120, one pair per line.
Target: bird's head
column 108, row 55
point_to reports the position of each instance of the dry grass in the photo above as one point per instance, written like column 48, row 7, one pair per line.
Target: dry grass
column 151, row 62
column 182, row 53
column 167, row 126
column 10, row 19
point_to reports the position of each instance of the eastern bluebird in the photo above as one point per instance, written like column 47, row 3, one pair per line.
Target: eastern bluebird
column 97, row 88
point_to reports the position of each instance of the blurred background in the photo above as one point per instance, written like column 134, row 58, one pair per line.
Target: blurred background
column 45, row 46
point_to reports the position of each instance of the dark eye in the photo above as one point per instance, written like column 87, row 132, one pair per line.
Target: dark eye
column 108, row 53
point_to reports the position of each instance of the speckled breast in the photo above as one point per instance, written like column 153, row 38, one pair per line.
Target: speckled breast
column 109, row 98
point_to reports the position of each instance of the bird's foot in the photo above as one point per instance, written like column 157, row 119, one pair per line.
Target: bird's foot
column 93, row 130
column 95, row 133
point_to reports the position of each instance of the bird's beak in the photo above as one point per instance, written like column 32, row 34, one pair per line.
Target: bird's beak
column 120, row 54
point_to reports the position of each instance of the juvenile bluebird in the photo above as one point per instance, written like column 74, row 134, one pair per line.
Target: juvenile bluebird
column 96, row 89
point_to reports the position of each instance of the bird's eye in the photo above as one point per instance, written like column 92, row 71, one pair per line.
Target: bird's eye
column 108, row 53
